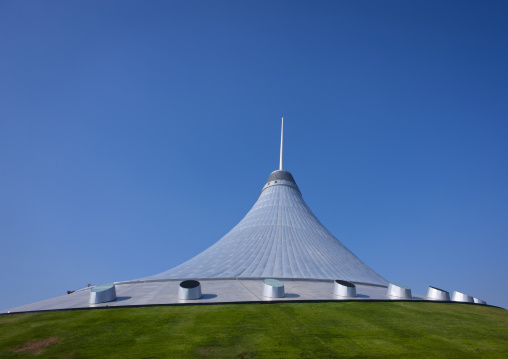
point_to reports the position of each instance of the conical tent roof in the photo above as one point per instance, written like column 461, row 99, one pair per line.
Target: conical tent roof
column 278, row 238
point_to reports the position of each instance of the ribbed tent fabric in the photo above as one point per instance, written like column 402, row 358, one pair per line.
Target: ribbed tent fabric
column 278, row 238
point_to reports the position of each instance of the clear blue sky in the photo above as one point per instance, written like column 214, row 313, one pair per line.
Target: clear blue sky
column 135, row 134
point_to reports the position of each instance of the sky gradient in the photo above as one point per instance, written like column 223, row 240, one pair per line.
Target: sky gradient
column 134, row 135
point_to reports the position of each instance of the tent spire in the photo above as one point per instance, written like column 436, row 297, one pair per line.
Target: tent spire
column 281, row 140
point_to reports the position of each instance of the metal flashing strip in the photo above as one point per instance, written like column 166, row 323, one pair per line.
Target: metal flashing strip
column 141, row 281
column 281, row 183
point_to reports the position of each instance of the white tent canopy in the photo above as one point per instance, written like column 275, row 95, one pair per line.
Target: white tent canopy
column 278, row 238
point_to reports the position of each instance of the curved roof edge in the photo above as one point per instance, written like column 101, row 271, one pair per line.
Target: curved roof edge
column 246, row 278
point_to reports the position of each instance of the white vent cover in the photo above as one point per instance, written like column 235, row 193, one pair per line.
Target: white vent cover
column 189, row 290
column 398, row 291
column 434, row 293
column 461, row 297
column 343, row 288
column 272, row 288
column 102, row 293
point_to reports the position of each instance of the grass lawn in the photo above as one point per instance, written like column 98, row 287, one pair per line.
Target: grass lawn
column 282, row 330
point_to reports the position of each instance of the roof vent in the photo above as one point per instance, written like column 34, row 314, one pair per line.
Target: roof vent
column 102, row 293
column 189, row 290
column 461, row 297
column 398, row 291
column 272, row 288
column 341, row 288
column 434, row 293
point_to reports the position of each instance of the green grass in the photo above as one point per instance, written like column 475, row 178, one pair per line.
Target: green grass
column 282, row 330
